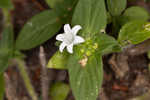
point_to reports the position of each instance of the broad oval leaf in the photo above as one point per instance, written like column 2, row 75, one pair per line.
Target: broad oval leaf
column 134, row 13
column 91, row 15
column 134, row 32
column 59, row 60
column 59, row 91
column 107, row 44
column 116, row 7
column 85, row 81
column 44, row 25
column 39, row 29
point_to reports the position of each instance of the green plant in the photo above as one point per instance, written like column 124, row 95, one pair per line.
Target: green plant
column 84, row 65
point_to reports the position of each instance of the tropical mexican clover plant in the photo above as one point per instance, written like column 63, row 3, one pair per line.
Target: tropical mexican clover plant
column 86, row 42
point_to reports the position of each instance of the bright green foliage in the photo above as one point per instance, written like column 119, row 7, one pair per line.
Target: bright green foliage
column 2, row 87
column 107, row 44
column 134, row 32
column 39, row 29
column 6, row 4
column 6, row 48
column 85, row 80
column 59, row 60
column 59, row 91
column 91, row 15
column 135, row 13
column 53, row 3
column 116, row 7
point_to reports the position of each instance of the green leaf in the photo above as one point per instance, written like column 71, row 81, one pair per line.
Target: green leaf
column 6, row 48
column 134, row 32
column 85, row 80
column 116, row 7
column 91, row 15
column 6, row 4
column 4, row 58
column 44, row 25
column 107, row 44
column 135, row 13
column 7, row 38
column 53, row 3
column 59, row 91
column 58, row 61
column 2, row 87
column 39, row 29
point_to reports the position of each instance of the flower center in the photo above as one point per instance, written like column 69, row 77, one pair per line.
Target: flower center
column 69, row 38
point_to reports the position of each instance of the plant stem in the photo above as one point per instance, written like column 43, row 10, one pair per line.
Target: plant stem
column 24, row 74
column 7, row 17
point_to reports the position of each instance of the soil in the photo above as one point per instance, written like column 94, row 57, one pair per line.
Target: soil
column 125, row 76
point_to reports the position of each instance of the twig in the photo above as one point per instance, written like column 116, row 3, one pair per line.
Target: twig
column 24, row 74
column 44, row 76
column 10, row 88
column 119, row 64
column 138, row 49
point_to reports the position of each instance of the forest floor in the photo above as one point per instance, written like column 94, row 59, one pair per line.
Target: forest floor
column 126, row 77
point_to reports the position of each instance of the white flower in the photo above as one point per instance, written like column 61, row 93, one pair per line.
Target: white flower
column 69, row 38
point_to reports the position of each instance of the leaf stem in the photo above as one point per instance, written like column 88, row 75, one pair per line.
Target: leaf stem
column 24, row 74
column 7, row 17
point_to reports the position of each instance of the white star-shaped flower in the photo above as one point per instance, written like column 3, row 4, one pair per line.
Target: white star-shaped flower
column 69, row 38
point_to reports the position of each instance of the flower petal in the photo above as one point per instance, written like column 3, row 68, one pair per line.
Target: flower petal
column 70, row 48
column 67, row 28
column 75, row 29
column 78, row 39
column 62, row 46
column 60, row 37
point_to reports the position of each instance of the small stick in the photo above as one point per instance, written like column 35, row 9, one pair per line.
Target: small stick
column 10, row 88
column 138, row 49
column 44, row 76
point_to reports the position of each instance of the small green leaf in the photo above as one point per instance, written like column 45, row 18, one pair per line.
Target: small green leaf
column 39, row 29
column 53, row 3
column 59, row 91
column 6, row 4
column 6, row 48
column 91, row 15
column 135, row 13
column 85, row 80
column 2, row 87
column 58, row 61
column 116, row 7
column 134, row 32
column 107, row 44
